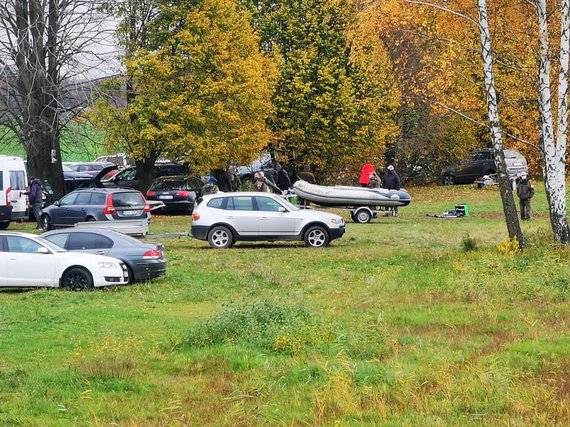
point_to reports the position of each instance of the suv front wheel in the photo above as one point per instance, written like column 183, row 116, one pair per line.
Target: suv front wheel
column 448, row 180
column 316, row 237
column 220, row 237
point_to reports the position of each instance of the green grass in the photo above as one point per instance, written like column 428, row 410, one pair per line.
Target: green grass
column 397, row 323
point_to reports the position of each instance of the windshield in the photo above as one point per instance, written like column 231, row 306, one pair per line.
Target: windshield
column 169, row 185
column 49, row 244
column 289, row 205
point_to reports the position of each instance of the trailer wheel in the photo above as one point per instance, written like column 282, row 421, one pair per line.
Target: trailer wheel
column 362, row 216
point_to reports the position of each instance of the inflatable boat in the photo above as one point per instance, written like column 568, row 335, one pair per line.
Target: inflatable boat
column 347, row 197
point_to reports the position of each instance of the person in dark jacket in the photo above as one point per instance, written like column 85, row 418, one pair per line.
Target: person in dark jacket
column 35, row 196
column 525, row 191
column 223, row 180
column 391, row 181
column 283, row 180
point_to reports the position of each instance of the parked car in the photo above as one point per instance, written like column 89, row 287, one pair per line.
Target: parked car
column 178, row 193
column 225, row 218
column 95, row 204
column 29, row 261
column 90, row 168
column 480, row 163
column 144, row 260
column 127, row 177
column 119, row 159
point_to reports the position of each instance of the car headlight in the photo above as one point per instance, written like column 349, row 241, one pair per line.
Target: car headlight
column 336, row 220
column 107, row 264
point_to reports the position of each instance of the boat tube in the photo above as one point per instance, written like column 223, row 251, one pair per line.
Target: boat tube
column 349, row 197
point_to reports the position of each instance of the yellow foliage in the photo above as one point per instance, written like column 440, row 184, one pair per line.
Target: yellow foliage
column 509, row 246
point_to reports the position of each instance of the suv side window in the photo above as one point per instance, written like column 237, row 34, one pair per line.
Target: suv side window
column 127, row 175
column 83, row 241
column 267, row 204
column 98, row 199
column 240, row 203
column 83, row 199
column 68, row 200
column 215, row 203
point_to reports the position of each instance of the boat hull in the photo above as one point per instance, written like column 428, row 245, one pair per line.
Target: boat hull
column 347, row 197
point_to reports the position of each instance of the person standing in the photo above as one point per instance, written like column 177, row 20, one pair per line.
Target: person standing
column 35, row 196
column 261, row 183
column 525, row 191
column 307, row 175
column 391, row 181
column 366, row 175
column 283, row 180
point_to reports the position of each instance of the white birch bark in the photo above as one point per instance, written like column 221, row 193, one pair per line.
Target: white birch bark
column 554, row 151
column 509, row 207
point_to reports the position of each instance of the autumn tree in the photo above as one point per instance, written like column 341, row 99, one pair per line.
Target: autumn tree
column 335, row 95
column 202, row 88
column 46, row 48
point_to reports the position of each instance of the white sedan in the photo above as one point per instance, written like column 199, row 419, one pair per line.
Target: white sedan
column 27, row 260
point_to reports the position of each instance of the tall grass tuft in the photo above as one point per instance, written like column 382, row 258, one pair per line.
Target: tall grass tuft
column 469, row 243
column 272, row 326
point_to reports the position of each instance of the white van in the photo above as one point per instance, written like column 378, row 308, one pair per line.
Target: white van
column 13, row 190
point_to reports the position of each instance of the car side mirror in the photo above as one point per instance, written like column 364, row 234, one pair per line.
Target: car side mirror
column 281, row 209
column 56, row 203
column 43, row 250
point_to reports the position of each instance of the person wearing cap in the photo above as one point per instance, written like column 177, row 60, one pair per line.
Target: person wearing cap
column 391, row 181
column 211, row 187
column 525, row 191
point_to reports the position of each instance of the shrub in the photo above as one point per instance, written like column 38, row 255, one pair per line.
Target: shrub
column 469, row 243
column 275, row 327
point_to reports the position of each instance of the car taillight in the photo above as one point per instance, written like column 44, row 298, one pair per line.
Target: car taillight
column 195, row 216
column 109, row 208
column 150, row 193
column 146, row 207
column 183, row 194
column 8, row 201
column 152, row 254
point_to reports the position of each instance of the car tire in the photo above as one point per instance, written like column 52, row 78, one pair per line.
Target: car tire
column 4, row 225
column 220, row 237
column 90, row 219
column 316, row 237
column 448, row 180
column 46, row 222
column 362, row 216
column 77, row 279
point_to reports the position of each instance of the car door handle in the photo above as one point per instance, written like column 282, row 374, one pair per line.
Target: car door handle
column 100, row 252
column 229, row 217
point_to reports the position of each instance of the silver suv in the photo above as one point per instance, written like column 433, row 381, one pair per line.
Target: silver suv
column 482, row 162
column 224, row 218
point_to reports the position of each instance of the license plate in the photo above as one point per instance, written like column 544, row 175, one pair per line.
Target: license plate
column 517, row 164
column 130, row 213
column 166, row 197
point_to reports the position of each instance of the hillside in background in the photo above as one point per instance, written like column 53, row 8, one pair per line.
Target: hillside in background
column 80, row 143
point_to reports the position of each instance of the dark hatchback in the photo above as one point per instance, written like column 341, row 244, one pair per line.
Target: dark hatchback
column 95, row 204
column 144, row 260
column 178, row 193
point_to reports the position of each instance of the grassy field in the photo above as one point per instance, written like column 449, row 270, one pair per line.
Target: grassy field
column 395, row 324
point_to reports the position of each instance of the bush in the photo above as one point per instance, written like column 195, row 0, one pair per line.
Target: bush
column 264, row 324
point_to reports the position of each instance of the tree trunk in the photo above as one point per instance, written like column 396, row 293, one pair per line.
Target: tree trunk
column 145, row 168
column 509, row 206
column 554, row 152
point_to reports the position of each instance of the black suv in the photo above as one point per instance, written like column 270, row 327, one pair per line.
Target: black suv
column 482, row 162
column 127, row 177
column 95, row 204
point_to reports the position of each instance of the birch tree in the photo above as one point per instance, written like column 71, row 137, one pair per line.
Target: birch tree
column 46, row 47
column 509, row 207
column 554, row 148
